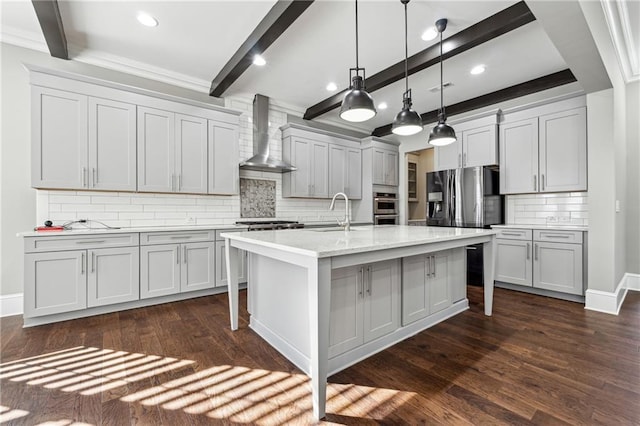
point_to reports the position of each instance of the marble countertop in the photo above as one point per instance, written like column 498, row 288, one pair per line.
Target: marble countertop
column 327, row 242
column 545, row 227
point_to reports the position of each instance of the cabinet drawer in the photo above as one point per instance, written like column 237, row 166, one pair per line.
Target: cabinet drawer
column 75, row 242
column 558, row 236
column 150, row 238
column 514, row 234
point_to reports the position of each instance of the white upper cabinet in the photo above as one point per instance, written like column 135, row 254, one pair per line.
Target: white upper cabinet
column 477, row 145
column 59, row 139
column 326, row 163
column 544, row 149
column 98, row 135
column 112, row 145
column 223, row 158
column 191, row 154
column 385, row 167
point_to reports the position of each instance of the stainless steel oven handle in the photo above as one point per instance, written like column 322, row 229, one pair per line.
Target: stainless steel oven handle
column 385, row 199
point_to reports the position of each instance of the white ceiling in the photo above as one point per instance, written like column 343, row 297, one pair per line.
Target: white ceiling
column 195, row 39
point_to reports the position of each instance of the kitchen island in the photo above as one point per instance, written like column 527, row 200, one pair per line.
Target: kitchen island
column 328, row 298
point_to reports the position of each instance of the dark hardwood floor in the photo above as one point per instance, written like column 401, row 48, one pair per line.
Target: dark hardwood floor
column 536, row 361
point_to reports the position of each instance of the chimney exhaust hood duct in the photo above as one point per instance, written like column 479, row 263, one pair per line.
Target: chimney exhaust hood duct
column 261, row 161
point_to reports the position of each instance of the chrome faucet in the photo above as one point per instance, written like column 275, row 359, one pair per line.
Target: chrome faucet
column 346, row 224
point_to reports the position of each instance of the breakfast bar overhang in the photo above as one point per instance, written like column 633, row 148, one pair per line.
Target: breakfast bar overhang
column 290, row 281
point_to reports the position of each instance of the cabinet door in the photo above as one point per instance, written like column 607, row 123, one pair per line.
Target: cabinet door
column 159, row 270
column 353, row 174
column 301, row 152
column 448, row 156
column 337, row 169
column 223, row 158
column 563, row 151
column 191, row 154
column 480, row 147
column 381, row 296
column 55, row 282
column 58, row 139
column 513, row 262
column 113, row 276
column 391, row 168
column 198, row 266
column 345, row 320
column 156, row 150
column 440, row 282
column 519, row 157
column 558, row 267
column 112, row 145
column 378, row 167
column 415, row 289
column 320, row 170
column 221, row 265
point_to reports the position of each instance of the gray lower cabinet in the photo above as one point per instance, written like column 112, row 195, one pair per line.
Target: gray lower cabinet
column 70, row 280
column 431, row 283
column 221, row 265
column 544, row 259
column 365, row 304
column 174, row 268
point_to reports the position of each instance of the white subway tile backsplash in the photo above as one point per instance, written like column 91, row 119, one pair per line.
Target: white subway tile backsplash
column 549, row 208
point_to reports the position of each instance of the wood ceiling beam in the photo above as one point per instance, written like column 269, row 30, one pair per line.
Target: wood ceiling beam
column 48, row 15
column 273, row 25
column 494, row 26
column 532, row 86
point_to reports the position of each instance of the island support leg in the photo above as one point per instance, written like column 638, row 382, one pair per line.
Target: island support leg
column 319, row 281
column 232, row 281
column 489, row 266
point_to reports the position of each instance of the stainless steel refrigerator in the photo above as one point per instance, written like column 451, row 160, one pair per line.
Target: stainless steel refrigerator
column 467, row 198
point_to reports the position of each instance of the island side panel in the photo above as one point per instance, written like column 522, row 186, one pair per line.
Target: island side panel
column 232, row 259
column 489, row 269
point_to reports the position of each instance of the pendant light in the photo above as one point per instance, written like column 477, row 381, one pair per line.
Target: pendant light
column 442, row 134
column 407, row 122
column 357, row 104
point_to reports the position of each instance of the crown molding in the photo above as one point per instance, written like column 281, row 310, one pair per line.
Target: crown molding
column 21, row 38
column 618, row 20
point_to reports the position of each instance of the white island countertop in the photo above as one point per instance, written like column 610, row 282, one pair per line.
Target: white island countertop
column 329, row 242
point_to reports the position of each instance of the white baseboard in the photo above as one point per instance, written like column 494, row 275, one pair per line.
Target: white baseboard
column 610, row 303
column 633, row 281
column 11, row 304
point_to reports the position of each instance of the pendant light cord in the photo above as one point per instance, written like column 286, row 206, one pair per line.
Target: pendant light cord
column 406, row 52
column 441, row 83
column 357, row 65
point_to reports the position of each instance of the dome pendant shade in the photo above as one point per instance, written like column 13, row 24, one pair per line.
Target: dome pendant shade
column 442, row 134
column 407, row 122
column 357, row 104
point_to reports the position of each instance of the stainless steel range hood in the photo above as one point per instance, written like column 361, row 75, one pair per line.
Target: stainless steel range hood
column 261, row 161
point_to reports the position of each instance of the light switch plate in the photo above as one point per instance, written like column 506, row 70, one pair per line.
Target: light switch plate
column 617, row 206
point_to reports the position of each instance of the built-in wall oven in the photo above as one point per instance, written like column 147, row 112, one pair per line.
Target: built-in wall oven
column 385, row 208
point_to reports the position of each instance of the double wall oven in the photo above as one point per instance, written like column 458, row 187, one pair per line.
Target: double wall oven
column 385, row 208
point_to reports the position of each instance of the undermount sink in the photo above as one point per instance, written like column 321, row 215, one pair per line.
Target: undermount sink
column 337, row 228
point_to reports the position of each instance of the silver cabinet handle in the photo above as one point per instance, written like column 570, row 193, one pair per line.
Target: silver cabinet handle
column 84, row 177
column 181, row 237
column 535, row 187
column 433, row 270
column 90, row 242
column 184, row 253
column 179, row 181
column 464, row 159
column 82, row 264
column 178, row 255
column 557, row 236
column 427, row 270
column 542, row 182
column 93, row 261
column 361, row 286
column 528, row 251
column 459, row 160
column 94, row 176
column 515, row 234
column 369, row 280
column 535, row 252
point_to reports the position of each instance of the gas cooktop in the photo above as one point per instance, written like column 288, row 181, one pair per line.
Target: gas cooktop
column 265, row 225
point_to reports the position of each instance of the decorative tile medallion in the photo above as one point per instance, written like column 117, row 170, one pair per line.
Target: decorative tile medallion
column 257, row 198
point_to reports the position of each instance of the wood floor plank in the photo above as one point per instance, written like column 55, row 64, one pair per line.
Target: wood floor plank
column 535, row 361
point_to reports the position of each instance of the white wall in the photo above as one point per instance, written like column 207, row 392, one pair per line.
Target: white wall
column 633, row 178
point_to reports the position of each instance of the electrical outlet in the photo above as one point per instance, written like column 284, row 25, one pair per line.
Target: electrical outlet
column 552, row 219
column 190, row 220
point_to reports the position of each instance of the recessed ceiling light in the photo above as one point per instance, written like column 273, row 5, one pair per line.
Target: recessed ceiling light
column 147, row 20
column 429, row 34
column 478, row 69
column 383, row 105
column 259, row 61
column 332, row 87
